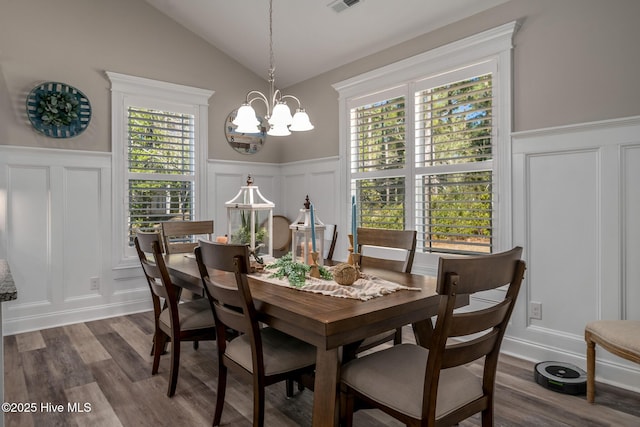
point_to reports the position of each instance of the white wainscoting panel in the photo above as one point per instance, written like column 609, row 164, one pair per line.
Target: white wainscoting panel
column 630, row 175
column 55, row 231
column 576, row 204
column 82, row 235
column 320, row 180
column 563, row 214
column 28, row 235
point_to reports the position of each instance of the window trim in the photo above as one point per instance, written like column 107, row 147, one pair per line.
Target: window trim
column 494, row 45
column 125, row 88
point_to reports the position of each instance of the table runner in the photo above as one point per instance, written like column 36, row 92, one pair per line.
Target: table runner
column 365, row 288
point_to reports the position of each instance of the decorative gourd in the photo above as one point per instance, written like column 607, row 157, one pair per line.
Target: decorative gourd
column 345, row 274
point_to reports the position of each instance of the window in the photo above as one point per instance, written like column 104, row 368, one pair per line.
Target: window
column 427, row 145
column 454, row 131
column 160, row 168
column 159, row 146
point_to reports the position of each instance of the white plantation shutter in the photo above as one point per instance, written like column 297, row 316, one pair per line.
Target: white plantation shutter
column 160, row 167
column 378, row 161
column 453, row 142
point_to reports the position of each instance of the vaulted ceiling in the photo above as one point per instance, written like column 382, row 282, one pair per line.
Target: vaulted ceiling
column 309, row 36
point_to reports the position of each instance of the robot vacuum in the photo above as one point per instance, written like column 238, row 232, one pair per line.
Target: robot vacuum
column 561, row 377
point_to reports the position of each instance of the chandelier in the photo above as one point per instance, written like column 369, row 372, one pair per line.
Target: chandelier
column 281, row 123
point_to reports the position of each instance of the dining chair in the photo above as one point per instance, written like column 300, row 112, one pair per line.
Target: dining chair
column 432, row 386
column 398, row 248
column 330, row 239
column 263, row 355
column 619, row 337
column 174, row 322
column 182, row 236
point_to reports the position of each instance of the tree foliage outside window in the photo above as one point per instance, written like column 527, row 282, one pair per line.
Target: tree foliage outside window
column 161, row 168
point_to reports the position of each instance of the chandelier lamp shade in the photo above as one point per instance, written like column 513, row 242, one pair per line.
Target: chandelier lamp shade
column 281, row 122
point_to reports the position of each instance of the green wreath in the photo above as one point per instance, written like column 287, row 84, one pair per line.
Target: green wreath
column 58, row 108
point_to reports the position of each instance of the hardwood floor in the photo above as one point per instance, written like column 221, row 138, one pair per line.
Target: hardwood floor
column 106, row 364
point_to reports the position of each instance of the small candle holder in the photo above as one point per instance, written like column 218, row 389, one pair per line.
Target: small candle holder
column 315, row 271
column 350, row 249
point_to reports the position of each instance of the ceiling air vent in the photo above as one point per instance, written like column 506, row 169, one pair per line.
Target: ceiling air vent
column 340, row 5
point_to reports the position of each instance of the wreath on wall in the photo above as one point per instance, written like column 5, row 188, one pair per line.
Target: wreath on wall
column 58, row 110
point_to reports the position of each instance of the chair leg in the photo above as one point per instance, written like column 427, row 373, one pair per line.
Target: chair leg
column 591, row 371
column 222, row 387
column 258, row 406
column 175, row 367
column 289, row 387
column 487, row 416
column 158, row 344
column 346, row 409
column 195, row 345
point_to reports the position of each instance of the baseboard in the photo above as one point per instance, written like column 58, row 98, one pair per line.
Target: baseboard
column 66, row 317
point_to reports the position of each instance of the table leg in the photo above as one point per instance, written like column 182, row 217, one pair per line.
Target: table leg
column 325, row 393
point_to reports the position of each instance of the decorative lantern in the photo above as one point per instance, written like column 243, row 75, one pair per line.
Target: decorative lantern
column 303, row 233
column 250, row 220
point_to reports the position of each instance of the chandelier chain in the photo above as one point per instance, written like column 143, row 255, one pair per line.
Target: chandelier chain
column 271, row 56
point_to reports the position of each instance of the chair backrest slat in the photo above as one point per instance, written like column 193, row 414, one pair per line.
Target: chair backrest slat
column 469, row 351
column 481, row 273
column 174, row 234
column 231, row 317
column 392, row 239
column 480, row 320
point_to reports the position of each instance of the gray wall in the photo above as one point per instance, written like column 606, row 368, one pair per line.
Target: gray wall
column 575, row 61
column 75, row 41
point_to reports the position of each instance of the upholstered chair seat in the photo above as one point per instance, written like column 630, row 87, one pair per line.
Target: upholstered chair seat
column 620, row 337
column 457, row 387
column 193, row 315
column 280, row 352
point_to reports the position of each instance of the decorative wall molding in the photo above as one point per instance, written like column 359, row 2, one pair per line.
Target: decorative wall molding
column 55, row 231
column 575, row 204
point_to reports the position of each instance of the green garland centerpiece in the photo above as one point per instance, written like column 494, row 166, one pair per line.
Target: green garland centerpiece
column 58, row 108
column 295, row 272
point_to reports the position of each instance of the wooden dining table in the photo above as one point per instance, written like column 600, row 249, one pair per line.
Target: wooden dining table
column 328, row 322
